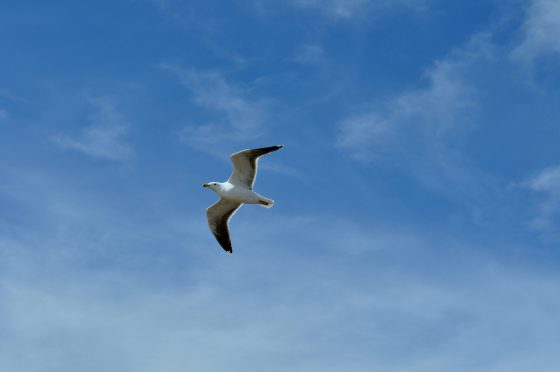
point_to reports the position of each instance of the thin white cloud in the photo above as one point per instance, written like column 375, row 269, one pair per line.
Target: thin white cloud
column 334, row 8
column 346, row 9
column 104, row 137
column 541, row 31
column 6, row 94
column 434, row 113
column 3, row 114
column 416, row 130
column 309, row 54
column 360, row 133
column 546, row 183
column 240, row 118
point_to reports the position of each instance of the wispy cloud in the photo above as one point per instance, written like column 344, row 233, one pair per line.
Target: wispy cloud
column 334, row 8
column 240, row 118
column 434, row 113
column 10, row 96
column 541, row 31
column 309, row 54
column 104, row 137
column 547, row 183
column 416, row 130
column 348, row 9
column 364, row 135
column 3, row 114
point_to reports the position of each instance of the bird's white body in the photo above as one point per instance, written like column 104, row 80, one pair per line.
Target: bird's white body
column 239, row 194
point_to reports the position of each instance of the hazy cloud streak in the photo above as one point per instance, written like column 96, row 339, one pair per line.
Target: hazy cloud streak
column 416, row 131
column 104, row 137
column 541, row 31
column 547, row 183
column 347, row 9
column 241, row 118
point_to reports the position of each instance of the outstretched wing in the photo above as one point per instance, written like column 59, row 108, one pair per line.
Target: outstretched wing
column 218, row 216
column 245, row 165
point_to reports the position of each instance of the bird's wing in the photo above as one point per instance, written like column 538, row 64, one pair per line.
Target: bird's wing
column 218, row 216
column 245, row 165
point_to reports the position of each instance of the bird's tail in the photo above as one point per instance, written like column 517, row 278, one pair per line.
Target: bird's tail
column 267, row 203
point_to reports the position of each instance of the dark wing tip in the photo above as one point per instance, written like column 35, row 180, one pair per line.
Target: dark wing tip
column 226, row 245
column 224, row 242
column 270, row 149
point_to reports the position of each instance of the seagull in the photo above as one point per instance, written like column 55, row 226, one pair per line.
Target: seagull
column 237, row 190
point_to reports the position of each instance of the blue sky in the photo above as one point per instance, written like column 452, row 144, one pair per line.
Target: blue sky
column 417, row 195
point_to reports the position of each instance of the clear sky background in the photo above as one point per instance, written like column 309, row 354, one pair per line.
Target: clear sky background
column 416, row 225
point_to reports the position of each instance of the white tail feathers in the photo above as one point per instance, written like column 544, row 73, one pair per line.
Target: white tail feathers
column 267, row 203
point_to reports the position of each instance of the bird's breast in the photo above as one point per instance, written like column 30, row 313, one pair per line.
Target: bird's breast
column 240, row 194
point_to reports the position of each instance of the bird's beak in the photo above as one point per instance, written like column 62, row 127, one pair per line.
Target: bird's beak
column 205, row 185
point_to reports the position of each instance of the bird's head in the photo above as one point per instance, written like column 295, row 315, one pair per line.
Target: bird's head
column 212, row 185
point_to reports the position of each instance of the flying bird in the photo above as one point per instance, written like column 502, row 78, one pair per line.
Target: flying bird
column 236, row 191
